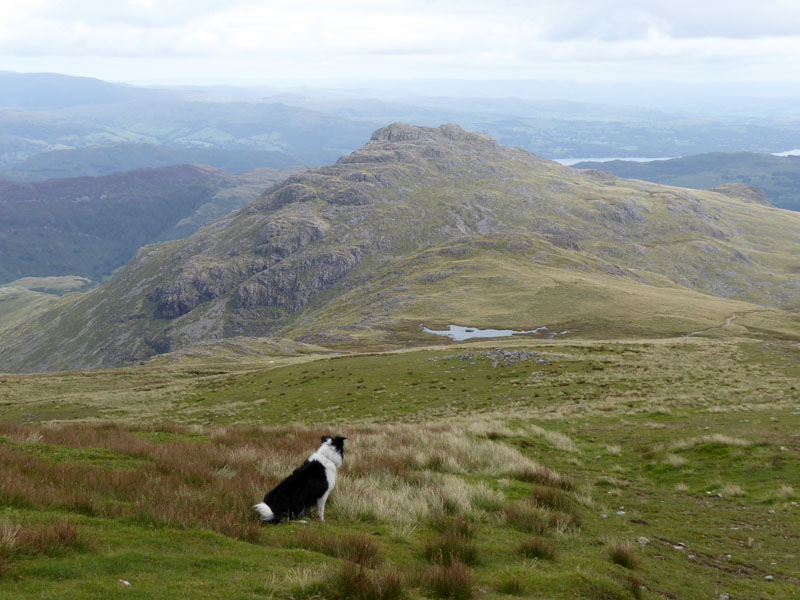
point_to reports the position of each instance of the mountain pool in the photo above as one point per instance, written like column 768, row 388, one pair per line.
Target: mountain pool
column 459, row 333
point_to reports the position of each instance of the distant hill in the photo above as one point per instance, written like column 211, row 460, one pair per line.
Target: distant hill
column 318, row 128
column 308, row 137
column 45, row 112
column 436, row 227
column 113, row 158
column 777, row 176
column 48, row 91
column 90, row 226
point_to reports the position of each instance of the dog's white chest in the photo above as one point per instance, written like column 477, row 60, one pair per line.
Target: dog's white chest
column 330, row 474
column 330, row 467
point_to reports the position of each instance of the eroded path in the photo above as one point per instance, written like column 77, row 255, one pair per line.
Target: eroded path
column 725, row 325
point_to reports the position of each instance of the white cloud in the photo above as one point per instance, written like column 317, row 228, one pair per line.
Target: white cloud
column 444, row 38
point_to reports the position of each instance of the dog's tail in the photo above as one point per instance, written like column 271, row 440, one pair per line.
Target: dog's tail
column 264, row 511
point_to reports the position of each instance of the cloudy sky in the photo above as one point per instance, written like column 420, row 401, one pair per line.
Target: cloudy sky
column 315, row 42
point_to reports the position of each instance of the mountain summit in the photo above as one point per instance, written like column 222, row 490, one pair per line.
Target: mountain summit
column 433, row 225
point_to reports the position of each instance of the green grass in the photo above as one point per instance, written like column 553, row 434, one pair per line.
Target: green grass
column 492, row 491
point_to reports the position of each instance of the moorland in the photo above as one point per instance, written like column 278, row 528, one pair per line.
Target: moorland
column 520, row 468
column 645, row 445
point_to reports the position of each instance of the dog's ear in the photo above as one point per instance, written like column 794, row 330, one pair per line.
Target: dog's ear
column 326, row 438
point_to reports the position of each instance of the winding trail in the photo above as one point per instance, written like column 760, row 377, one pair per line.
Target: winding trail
column 725, row 325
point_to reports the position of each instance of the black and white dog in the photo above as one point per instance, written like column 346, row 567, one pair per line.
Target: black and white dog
column 310, row 484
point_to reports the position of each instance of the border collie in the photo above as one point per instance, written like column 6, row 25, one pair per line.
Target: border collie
column 309, row 484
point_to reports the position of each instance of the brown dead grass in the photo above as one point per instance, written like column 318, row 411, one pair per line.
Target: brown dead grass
column 55, row 539
column 453, row 580
column 176, row 476
column 356, row 582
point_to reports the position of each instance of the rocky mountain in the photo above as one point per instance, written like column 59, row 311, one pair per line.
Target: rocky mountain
column 435, row 226
column 90, row 226
column 777, row 176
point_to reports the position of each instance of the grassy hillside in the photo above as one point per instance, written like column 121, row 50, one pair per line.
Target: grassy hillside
column 777, row 176
column 543, row 469
column 17, row 305
column 491, row 281
column 20, row 300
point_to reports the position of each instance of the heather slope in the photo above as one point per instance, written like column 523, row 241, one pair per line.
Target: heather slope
column 90, row 226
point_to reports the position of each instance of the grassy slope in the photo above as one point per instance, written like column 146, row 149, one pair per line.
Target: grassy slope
column 166, row 508
column 18, row 304
column 516, row 281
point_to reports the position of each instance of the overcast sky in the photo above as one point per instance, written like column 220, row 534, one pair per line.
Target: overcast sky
column 317, row 42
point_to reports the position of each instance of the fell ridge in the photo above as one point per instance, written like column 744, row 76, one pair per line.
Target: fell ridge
column 336, row 233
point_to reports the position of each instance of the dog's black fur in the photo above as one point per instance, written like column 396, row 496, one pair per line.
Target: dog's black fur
column 309, row 484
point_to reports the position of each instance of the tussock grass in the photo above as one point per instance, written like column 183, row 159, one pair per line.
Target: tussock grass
column 54, row 539
column 402, row 533
column 454, row 542
column 492, row 428
column 732, row 490
column 623, row 554
column 714, row 438
column 355, row 582
column 458, row 526
column 495, row 428
column 557, row 440
column 300, row 582
column 386, row 498
column 453, row 581
column 675, row 460
column 449, row 547
column 552, row 498
column 51, row 539
column 528, row 517
column 539, row 474
column 512, row 586
column 184, row 477
column 357, row 548
column 636, row 586
column 786, row 492
column 157, row 493
column 537, row 547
